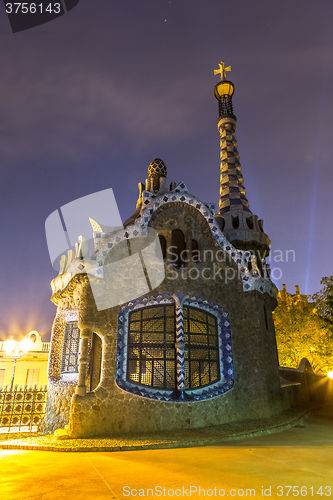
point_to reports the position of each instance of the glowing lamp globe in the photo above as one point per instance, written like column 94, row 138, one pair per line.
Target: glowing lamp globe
column 9, row 346
column 224, row 89
column 330, row 374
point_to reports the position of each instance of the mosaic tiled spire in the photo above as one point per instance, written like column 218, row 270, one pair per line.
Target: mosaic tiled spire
column 235, row 219
column 232, row 190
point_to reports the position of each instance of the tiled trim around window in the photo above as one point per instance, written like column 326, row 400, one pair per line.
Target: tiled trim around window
column 223, row 385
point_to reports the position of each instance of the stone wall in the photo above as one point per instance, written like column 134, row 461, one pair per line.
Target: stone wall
column 57, row 408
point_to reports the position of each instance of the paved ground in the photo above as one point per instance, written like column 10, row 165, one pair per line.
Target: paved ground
column 275, row 466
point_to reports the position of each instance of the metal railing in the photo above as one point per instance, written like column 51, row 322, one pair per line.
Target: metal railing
column 22, row 409
column 45, row 347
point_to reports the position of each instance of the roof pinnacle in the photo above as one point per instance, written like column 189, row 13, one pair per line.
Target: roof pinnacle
column 235, row 219
column 222, row 70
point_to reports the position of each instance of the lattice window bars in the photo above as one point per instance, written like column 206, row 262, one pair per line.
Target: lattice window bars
column 174, row 347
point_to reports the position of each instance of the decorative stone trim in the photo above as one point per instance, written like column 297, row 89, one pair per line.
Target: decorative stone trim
column 223, row 385
column 179, row 344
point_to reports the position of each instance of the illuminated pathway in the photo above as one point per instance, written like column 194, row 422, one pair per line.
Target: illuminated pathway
column 297, row 457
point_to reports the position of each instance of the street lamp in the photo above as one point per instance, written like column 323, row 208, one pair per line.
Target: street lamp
column 17, row 349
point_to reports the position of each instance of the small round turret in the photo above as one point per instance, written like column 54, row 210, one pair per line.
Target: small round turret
column 157, row 168
column 157, row 174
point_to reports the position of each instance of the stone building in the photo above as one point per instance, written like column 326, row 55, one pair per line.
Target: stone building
column 196, row 350
column 291, row 300
column 30, row 369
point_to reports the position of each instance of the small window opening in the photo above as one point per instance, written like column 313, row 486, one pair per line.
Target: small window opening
column 163, row 244
column 249, row 265
column 249, row 221
column 179, row 247
column 235, row 222
column 195, row 251
column 265, row 314
column 95, row 365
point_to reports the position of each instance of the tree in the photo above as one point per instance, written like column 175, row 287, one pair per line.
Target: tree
column 324, row 299
column 301, row 332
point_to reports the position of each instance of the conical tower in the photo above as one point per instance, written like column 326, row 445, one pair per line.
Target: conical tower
column 235, row 219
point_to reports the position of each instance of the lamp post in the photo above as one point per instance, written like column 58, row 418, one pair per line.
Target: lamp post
column 17, row 349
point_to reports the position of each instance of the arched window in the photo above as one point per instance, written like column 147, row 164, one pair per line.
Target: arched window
column 150, row 351
column 179, row 247
column 235, row 221
column 95, row 361
column 265, row 316
column 70, row 351
column 163, row 244
column 195, row 251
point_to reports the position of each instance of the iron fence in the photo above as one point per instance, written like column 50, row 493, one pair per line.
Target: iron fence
column 22, row 409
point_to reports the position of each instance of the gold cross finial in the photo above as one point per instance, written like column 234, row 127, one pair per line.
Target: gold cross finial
column 222, row 70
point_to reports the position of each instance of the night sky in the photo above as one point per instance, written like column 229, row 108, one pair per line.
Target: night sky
column 88, row 100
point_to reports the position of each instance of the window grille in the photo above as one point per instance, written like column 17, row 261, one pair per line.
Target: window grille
column 151, row 347
column 201, row 364
column 70, row 352
column 151, row 355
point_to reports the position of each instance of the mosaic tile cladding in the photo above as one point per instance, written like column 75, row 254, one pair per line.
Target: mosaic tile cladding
column 197, row 350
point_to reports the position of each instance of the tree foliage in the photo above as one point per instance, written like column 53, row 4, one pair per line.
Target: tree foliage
column 301, row 332
column 324, row 299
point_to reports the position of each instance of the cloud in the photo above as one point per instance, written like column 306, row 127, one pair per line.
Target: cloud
column 62, row 111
